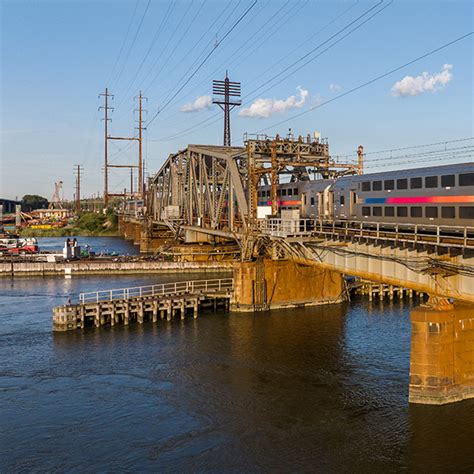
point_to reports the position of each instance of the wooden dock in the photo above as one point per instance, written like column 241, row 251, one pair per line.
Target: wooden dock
column 138, row 304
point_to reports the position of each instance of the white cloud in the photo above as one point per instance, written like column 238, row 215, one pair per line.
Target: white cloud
column 202, row 102
column 264, row 108
column 335, row 87
column 412, row 86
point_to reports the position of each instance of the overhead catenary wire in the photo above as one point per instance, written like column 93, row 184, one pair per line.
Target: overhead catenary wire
column 124, row 41
column 246, row 12
column 152, row 44
column 391, row 150
column 306, row 55
column 133, row 43
column 371, row 81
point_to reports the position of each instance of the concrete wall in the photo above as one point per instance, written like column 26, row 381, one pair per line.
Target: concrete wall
column 109, row 267
column 272, row 284
column 442, row 354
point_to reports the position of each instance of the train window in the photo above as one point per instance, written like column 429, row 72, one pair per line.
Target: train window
column 402, row 211
column 431, row 212
column 415, row 183
column 447, row 212
column 377, row 186
column 295, row 191
column 283, row 192
column 389, row 184
column 290, row 191
column 341, row 200
column 366, row 211
column 447, row 181
column 415, row 211
column 278, row 192
column 312, row 200
column 377, row 211
column 466, row 212
column 389, row 211
column 431, row 182
column 366, row 186
column 402, row 183
column 466, row 179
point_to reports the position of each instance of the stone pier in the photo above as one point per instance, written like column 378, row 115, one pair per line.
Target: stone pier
column 271, row 284
column 442, row 354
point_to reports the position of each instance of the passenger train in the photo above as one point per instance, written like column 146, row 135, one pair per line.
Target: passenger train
column 440, row 195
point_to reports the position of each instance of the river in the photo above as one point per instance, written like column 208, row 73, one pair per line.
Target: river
column 310, row 390
column 98, row 245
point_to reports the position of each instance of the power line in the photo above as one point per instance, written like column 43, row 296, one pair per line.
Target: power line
column 185, row 32
column 366, row 12
column 319, row 46
column 409, row 147
column 124, row 40
column 202, row 62
column 133, row 43
column 371, row 81
column 155, row 38
column 170, row 38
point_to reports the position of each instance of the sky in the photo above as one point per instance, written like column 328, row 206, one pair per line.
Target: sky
column 56, row 57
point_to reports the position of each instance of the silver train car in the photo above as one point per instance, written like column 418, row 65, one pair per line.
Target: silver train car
column 440, row 195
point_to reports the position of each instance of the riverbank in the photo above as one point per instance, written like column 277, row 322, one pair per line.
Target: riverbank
column 67, row 231
column 88, row 224
column 107, row 267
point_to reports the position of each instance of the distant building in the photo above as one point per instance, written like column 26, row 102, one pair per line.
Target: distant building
column 8, row 205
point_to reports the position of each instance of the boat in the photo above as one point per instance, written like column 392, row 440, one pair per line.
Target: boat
column 18, row 245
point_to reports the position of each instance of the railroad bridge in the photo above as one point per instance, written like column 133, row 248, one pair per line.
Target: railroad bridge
column 207, row 197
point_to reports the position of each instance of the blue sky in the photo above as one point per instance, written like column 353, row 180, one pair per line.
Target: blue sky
column 57, row 56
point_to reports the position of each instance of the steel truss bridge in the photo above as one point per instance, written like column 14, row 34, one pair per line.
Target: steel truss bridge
column 209, row 194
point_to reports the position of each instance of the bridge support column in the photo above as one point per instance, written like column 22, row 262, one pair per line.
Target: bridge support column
column 274, row 284
column 442, row 354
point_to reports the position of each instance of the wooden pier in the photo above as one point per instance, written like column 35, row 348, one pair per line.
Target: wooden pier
column 138, row 304
column 382, row 291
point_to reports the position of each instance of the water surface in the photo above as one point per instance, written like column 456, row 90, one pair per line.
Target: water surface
column 310, row 390
column 99, row 245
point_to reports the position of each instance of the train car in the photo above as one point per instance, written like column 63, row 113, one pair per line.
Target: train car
column 440, row 195
column 311, row 198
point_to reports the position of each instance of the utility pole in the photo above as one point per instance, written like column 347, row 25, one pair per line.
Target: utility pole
column 78, row 170
column 360, row 160
column 227, row 89
column 131, row 183
column 106, row 108
column 140, row 142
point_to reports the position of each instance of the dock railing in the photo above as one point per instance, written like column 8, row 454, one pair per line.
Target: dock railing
column 163, row 289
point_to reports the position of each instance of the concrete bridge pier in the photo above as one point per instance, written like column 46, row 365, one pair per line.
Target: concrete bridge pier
column 267, row 284
column 442, row 353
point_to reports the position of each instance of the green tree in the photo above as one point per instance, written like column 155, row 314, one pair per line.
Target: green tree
column 30, row 202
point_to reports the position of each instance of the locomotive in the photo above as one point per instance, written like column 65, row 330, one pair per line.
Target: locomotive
column 438, row 196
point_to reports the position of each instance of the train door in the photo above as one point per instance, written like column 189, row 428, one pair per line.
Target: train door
column 320, row 197
column 329, row 211
column 352, row 202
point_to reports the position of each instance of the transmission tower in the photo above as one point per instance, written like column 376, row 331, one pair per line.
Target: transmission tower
column 225, row 90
